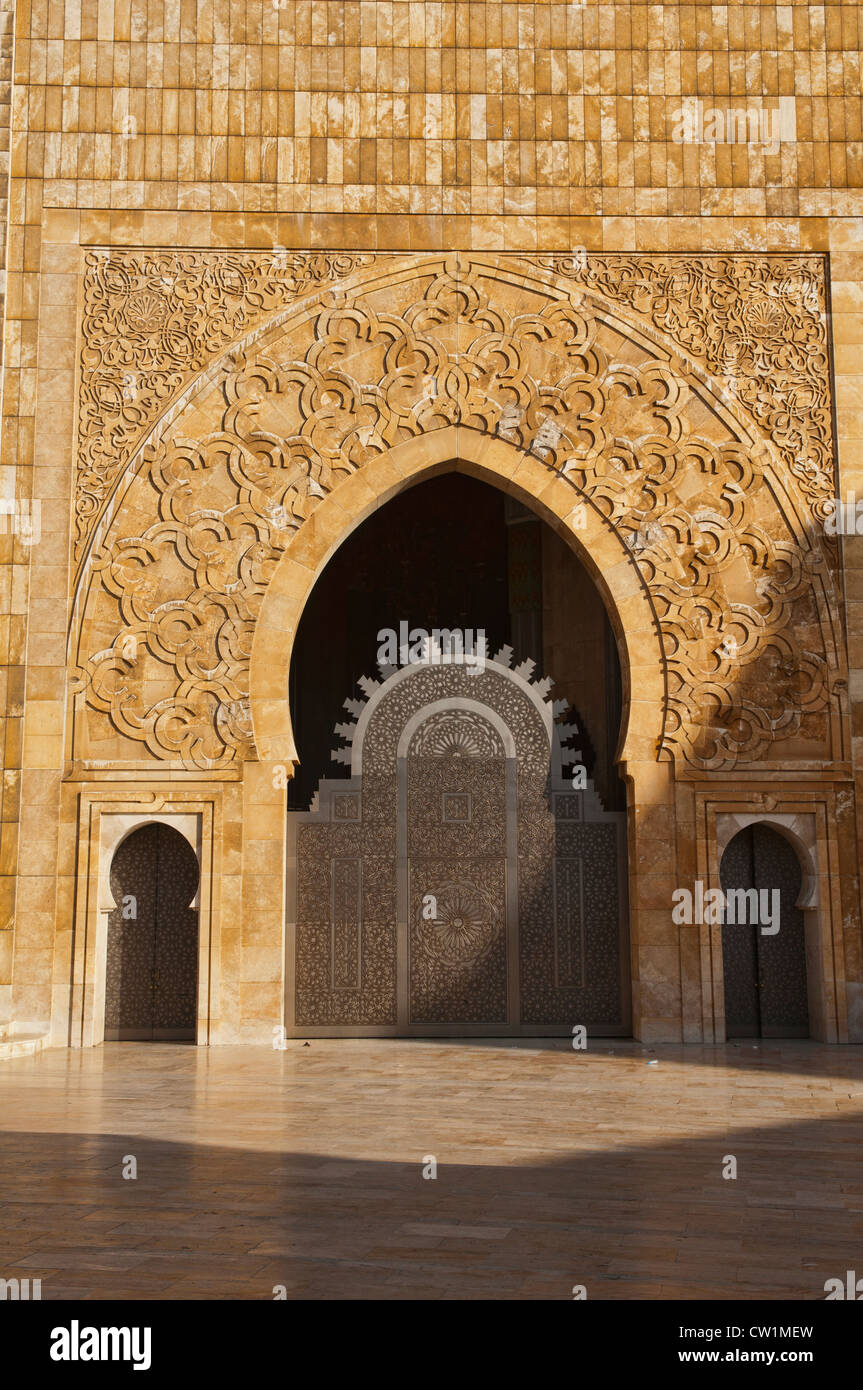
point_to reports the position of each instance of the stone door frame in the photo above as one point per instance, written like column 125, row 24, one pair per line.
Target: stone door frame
column 809, row 826
column 104, row 825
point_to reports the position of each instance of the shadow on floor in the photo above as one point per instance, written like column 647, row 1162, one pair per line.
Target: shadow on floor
column 651, row 1221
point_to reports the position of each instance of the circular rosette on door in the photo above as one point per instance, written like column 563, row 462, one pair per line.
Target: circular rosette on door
column 465, row 927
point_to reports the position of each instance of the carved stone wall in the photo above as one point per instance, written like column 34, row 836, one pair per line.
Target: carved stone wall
column 184, row 185
column 686, row 402
column 757, row 324
column 151, row 320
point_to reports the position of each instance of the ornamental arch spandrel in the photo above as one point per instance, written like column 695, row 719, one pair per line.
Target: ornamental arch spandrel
column 674, row 429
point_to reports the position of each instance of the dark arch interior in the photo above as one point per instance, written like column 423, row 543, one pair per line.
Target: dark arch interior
column 454, row 552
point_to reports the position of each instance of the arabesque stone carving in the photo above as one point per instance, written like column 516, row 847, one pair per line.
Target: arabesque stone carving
column 151, row 319
column 719, row 529
column 758, row 324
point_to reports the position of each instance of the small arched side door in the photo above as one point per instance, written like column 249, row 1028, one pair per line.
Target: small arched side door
column 152, row 961
column 766, row 992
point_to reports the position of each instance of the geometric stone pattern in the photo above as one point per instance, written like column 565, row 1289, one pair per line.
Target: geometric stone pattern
column 150, row 321
column 741, row 317
column 719, row 529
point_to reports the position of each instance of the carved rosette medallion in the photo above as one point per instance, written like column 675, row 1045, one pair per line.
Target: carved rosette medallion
column 465, row 928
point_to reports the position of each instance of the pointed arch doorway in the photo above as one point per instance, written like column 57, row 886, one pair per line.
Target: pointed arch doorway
column 457, row 882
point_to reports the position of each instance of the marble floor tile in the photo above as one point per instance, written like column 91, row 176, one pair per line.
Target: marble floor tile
column 257, row 1169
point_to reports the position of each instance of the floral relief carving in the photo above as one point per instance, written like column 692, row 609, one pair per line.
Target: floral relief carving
column 756, row 323
column 739, row 586
column 151, row 320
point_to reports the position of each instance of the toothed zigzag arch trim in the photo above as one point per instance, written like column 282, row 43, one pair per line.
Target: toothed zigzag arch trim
column 536, row 689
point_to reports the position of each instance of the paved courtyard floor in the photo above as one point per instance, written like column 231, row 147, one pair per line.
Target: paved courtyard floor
column 304, row 1169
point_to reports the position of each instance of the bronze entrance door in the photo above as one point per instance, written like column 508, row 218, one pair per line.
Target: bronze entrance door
column 152, row 962
column 457, row 831
column 764, row 973
column 455, row 883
